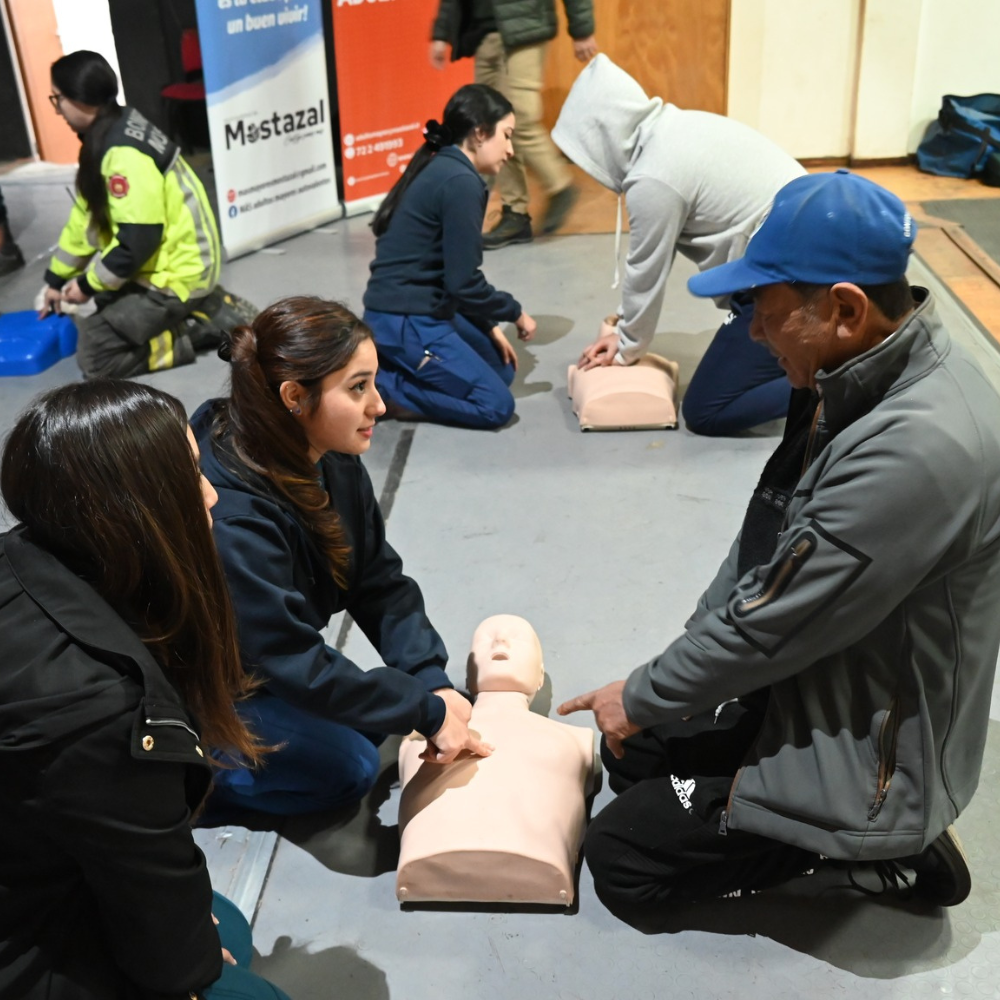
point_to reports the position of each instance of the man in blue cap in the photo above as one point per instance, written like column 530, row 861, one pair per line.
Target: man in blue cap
column 830, row 694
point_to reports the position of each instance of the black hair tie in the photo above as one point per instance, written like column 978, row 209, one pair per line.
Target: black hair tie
column 225, row 350
column 436, row 135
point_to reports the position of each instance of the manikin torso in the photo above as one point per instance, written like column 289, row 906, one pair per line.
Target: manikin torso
column 505, row 828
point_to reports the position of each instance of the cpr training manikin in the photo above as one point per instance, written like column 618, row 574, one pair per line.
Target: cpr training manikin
column 505, row 828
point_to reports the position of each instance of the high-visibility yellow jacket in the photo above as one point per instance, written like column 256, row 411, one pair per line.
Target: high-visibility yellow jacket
column 163, row 234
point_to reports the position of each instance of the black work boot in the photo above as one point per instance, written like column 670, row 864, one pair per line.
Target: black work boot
column 225, row 310
column 10, row 253
column 942, row 871
column 513, row 227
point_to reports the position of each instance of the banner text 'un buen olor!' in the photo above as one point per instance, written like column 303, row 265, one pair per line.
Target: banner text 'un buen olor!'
column 269, row 118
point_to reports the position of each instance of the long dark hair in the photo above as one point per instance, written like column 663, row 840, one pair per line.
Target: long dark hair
column 102, row 475
column 472, row 107
column 301, row 339
column 87, row 78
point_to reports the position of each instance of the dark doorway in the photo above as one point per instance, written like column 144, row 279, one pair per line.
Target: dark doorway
column 14, row 141
column 148, row 42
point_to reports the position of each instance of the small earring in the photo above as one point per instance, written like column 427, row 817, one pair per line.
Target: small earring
column 297, row 410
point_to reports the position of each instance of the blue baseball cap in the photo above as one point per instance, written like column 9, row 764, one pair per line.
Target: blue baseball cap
column 822, row 228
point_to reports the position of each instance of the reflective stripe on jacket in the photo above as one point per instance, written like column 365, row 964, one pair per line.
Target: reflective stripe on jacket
column 163, row 233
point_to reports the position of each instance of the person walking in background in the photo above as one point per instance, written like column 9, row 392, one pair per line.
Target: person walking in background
column 508, row 40
column 433, row 313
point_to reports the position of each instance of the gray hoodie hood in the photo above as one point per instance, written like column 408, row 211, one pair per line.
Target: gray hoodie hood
column 601, row 121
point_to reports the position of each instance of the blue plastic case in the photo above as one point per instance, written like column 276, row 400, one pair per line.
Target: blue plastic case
column 29, row 345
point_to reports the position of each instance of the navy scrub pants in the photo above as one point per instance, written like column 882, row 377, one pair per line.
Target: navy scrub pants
column 446, row 370
column 738, row 384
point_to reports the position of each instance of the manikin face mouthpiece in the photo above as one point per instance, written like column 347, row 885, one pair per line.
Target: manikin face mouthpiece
column 506, row 656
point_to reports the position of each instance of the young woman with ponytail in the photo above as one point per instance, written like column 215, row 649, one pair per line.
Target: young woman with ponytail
column 434, row 315
column 117, row 686
column 141, row 239
column 301, row 538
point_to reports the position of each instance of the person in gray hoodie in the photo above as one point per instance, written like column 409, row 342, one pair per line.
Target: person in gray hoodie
column 851, row 636
column 696, row 183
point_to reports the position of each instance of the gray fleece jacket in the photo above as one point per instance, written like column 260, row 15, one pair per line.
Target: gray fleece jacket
column 875, row 624
column 693, row 182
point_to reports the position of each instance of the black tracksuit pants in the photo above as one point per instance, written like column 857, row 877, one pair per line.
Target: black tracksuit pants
column 659, row 841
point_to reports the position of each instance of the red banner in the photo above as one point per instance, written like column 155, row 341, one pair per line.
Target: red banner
column 386, row 90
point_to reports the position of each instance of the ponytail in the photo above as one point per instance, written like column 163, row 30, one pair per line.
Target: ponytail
column 90, row 181
column 301, row 339
column 474, row 107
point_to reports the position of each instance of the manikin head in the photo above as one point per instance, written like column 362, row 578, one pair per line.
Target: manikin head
column 505, row 656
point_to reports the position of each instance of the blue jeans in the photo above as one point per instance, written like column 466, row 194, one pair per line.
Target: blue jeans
column 446, row 370
column 738, row 383
column 322, row 764
column 237, row 982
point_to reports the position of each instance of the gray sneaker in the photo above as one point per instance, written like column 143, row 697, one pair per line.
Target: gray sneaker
column 513, row 227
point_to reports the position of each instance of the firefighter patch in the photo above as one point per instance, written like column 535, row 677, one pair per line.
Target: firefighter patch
column 118, row 185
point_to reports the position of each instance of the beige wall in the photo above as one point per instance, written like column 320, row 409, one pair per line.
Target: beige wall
column 886, row 76
column 86, row 24
column 858, row 78
column 958, row 53
column 797, row 93
column 33, row 23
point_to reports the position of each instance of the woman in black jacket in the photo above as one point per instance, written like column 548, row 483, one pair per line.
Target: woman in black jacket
column 118, row 678
column 301, row 538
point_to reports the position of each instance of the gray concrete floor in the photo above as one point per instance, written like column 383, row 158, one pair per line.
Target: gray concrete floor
column 604, row 542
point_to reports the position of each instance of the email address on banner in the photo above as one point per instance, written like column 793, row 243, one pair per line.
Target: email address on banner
column 284, row 179
column 365, row 136
column 282, row 195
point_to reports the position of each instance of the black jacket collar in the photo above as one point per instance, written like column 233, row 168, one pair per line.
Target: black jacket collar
column 83, row 614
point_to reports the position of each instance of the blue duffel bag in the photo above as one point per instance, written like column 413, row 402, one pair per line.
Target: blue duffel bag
column 965, row 135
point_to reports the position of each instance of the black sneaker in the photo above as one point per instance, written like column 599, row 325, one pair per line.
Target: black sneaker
column 513, row 227
column 559, row 207
column 942, row 871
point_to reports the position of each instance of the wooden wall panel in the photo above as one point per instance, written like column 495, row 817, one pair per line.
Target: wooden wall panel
column 33, row 23
column 676, row 49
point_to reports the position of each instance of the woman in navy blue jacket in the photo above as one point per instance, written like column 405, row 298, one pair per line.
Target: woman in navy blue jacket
column 434, row 315
column 301, row 538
